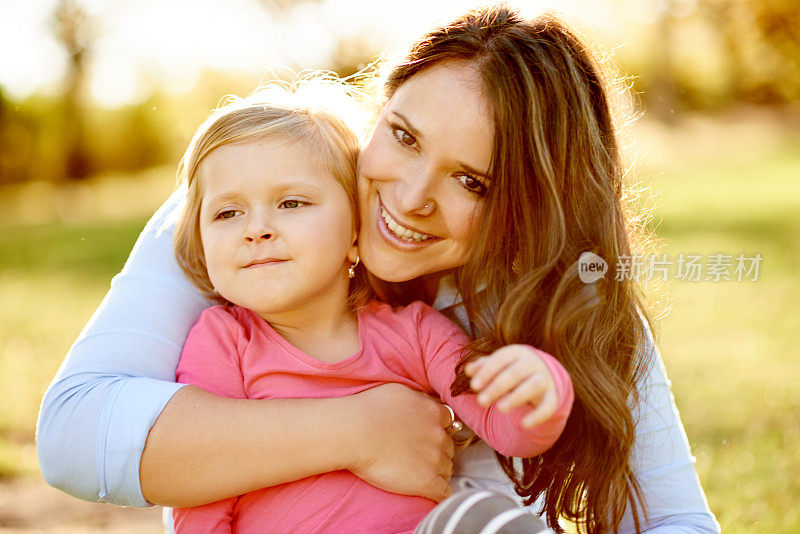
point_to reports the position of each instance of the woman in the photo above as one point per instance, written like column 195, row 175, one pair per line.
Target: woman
column 492, row 167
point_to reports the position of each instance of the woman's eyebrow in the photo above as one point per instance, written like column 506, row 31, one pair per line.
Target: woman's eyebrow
column 473, row 170
column 407, row 123
column 416, row 133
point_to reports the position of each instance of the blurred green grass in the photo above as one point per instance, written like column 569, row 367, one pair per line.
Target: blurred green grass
column 52, row 277
column 730, row 347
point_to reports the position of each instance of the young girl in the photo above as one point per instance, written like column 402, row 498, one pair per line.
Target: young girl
column 269, row 230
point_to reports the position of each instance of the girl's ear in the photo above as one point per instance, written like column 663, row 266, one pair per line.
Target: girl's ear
column 352, row 253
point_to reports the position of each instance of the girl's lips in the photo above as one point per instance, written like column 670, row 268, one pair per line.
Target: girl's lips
column 391, row 238
column 263, row 263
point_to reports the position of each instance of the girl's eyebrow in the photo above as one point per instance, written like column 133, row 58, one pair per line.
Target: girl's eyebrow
column 303, row 186
column 277, row 189
column 224, row 197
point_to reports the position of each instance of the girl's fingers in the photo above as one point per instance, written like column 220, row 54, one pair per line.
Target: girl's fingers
column 472, row 367
column 531, row 390
column 492, row 365
column 543, row 411
column 503, row 382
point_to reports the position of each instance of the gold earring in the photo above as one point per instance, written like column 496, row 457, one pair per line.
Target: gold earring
column 351, row 272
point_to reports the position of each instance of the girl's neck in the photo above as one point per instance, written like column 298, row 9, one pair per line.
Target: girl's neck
column 326, row 333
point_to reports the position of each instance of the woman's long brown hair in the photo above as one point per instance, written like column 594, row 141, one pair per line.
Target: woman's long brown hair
column 556, row 191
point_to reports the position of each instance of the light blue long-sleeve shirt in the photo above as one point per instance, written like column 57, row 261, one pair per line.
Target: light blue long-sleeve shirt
column 120, row 374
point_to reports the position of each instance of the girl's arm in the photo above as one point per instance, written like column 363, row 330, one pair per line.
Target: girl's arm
column 114, row 398
column 537, row 377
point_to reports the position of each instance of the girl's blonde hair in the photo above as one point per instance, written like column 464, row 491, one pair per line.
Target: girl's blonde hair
column 274, row 112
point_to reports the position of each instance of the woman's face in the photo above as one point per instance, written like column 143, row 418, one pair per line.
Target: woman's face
column 423, row 174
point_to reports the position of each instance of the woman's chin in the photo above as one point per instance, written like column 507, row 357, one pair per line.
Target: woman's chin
column 388, row 273
column 392, row 272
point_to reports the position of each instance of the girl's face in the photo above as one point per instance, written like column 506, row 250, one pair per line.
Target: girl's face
column 423, row 174
column 277, row 229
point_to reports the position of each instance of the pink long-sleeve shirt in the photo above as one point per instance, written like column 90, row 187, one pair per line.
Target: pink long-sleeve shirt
column 233, row 352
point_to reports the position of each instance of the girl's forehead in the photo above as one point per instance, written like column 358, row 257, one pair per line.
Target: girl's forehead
column 273, row 165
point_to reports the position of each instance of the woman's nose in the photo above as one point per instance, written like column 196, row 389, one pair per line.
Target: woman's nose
column 415, row 192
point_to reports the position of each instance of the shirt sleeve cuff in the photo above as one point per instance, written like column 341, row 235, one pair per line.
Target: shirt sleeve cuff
column 125, row 424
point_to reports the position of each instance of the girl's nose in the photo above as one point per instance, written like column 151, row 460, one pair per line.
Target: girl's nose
column 254, row 236
column 258, row 228
column 415, row 192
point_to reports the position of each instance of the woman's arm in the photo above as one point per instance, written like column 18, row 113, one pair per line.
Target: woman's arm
column 212, row 518
column 119, row 373
column 662, row 460
column 204, row 448
column 115, row 392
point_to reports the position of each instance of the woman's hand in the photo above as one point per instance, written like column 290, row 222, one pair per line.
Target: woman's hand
column 401, row 445
column 519, row 375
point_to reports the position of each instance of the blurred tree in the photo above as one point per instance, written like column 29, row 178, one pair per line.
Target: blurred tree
column 18, row 137
column 769, row 73
column 713, row 54
column 72, row 28
column 128, row 138
column 663, row 93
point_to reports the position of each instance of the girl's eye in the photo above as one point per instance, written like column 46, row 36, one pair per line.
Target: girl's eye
column 472, row 184
column 403, row 137
column 292, row 204
column 227, row 214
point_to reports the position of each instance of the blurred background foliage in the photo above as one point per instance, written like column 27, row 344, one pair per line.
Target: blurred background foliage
column 708, row 55
column 98, row 99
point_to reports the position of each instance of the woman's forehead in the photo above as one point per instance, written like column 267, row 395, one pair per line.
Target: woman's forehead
column 447, row 108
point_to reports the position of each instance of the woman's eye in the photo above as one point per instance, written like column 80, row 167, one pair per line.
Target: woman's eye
column 472, row 184
column 291, row 204
column 403, row 137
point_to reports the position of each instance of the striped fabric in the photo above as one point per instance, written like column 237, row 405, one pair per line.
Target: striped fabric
column 480, row 512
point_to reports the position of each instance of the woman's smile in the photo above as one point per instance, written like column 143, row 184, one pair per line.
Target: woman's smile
column 400, row 235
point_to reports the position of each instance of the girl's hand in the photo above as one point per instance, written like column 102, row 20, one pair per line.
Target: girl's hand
column 519, row 375
column 400, row 443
